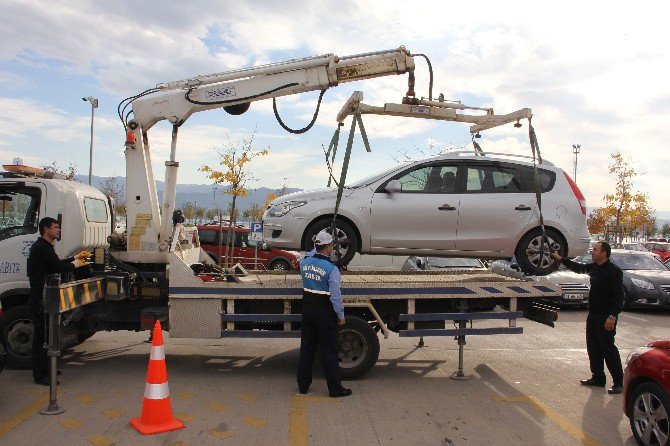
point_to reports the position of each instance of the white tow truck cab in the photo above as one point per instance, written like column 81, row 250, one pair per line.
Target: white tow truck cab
column 27, row 195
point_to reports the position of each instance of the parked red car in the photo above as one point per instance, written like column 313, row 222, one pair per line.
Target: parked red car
column 244, row 250
column 647, row 393
column 662, row 249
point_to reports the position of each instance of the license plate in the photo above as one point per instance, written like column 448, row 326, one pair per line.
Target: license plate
column 573, row 296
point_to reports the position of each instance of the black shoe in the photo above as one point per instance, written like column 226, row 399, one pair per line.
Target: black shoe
column 615, row 390
column 593, row 382
column 304, row 392
column 342, row 392
column 44, row 381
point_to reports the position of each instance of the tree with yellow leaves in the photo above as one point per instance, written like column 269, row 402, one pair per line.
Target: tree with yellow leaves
column 233, row 161
column 629, row 210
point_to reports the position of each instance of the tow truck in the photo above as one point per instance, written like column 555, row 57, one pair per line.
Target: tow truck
column 153, row 272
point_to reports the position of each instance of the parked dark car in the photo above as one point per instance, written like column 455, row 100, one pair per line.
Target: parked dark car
column 575, row 286
column 646, row 393
column 646, row 280
column 415, row 263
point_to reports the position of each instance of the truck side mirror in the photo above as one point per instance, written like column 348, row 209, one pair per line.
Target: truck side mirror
column 393, row 186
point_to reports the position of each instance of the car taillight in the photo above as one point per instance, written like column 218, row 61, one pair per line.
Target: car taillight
column 577, row 192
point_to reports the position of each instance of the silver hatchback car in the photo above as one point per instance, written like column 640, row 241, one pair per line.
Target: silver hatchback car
column 458, row 204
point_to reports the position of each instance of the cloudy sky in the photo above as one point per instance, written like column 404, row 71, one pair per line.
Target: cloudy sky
column 594, row 74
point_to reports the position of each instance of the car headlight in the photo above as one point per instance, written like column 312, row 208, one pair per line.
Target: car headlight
column 643, row 284
column 635, row 353
column 281, row 209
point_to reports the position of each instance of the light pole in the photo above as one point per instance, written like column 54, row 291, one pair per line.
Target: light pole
column 575, row 149
column 94, row 105
column 214, row 189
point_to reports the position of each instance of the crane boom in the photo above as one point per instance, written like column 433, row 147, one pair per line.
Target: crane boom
column 150, row 225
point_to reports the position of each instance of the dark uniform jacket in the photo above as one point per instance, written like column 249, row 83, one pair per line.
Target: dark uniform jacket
column 606, row 294
column 42, row 262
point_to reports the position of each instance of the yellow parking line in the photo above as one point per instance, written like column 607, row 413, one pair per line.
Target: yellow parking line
column 23, row 415
column 562, row 422
column 297, row 425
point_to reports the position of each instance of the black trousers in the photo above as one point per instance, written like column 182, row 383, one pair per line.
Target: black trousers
column 40, row 358
column 600, row 347
column 319, row 331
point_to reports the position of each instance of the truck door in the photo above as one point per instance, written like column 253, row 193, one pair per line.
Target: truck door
column 21, row 206
column 423, row 215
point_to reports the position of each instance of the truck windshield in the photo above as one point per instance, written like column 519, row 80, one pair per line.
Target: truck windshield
column 19, row 207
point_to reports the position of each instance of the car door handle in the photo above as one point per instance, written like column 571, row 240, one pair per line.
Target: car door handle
column 522, row 207
column 446, row 207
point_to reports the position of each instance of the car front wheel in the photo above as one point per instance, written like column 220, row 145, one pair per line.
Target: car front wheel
column 529, row 256
column 343, row 231
column 649, row 409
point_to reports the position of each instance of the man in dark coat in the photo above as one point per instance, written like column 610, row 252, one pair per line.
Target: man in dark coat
column 42, row 262
column 605, row 302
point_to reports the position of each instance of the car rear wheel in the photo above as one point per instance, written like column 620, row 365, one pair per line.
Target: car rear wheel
column 649, row 410
column 343, row 229
column 528, row 252
column 280, row 265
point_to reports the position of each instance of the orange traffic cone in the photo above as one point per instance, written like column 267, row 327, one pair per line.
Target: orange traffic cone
column 156, row 411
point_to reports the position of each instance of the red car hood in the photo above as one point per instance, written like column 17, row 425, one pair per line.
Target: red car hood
column 660, row 344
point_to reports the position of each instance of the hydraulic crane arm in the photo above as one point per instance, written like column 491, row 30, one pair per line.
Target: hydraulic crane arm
column 234, row 90
column 149, row 225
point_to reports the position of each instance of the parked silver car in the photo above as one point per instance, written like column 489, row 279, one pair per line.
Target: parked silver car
column 416, row 263
column 456, row 204
column 575, row 287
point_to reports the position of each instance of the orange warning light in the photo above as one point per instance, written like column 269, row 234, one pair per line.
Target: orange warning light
column 130, row 137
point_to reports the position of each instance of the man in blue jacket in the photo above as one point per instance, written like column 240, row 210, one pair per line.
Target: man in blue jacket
column 322, row 312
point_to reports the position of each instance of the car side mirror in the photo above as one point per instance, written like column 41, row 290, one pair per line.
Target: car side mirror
column 264, row 246
column 393, row 186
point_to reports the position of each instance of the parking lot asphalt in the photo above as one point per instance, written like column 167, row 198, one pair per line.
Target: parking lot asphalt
column 524, row 390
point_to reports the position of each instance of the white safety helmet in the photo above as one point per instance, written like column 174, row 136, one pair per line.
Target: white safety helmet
column 323, row 238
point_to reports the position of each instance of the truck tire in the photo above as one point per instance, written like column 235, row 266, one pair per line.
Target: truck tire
column 359, row 348
column 528, row 252
column 18, row 334
column 348, row 251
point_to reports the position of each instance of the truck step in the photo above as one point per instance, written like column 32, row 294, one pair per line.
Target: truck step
column 459, row 331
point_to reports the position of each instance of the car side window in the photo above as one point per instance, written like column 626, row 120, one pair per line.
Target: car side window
column 19, row 211
column 241, row 239
column 489, row 179
column 207, row 237
column 432, row 179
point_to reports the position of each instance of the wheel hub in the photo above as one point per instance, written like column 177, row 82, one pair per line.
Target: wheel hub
column 19, row 337
column 533, row 251
column 353, row 349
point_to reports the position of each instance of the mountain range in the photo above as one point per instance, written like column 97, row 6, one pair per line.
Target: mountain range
column 207, row 197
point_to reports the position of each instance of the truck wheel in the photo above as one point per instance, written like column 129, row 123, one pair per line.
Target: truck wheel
column 18, row 334
column 528, row 252
column 359, row 348
column 343, row 229
column 649, row 409
column 280, row 265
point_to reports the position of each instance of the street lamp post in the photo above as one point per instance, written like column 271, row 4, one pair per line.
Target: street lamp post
column 576, row 149
column 214, row 189
column 94, row 105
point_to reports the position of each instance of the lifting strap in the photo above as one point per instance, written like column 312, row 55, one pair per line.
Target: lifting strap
column 357, row 120
column 535, row 147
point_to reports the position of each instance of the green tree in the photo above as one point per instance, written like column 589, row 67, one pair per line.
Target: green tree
column 188, row 211
column 666, row 230
column 69, row 173
column 113, row 189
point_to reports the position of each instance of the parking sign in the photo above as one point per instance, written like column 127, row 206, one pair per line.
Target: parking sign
column 256, row 231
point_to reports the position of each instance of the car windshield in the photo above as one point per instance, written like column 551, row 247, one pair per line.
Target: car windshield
column 371, row 179
column 441, row 262
column 637, row 262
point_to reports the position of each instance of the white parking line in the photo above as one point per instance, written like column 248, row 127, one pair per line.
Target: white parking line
column 641, row 319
